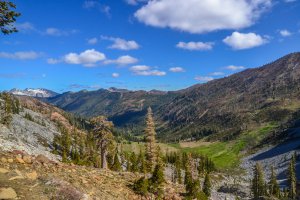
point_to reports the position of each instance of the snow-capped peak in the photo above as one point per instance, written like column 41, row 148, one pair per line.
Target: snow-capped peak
column 39, row 92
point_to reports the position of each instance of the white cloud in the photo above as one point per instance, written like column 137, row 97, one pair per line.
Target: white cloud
column 143, row 70
column 285, row 33
column 195, row 45
column 21, row 55
column 88, row 58
column 115, row 75
column 240, row 41
column 204, row 78
column 122, row 60
column 200, row 16
column 234, row 68
column 176, row 69
column 121, row 44
column 58, row 32
column 92, row 41
column 217, row 74
column 290, row 1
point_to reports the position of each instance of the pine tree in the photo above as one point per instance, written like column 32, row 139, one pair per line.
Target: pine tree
column 157, row 178
column 141, row 186
column 133, row 163
column 150, row 139
column 274, row 189
column 207, row 185
column 292, row 181
column 116, row 165
column 258, row 184
column 104, row 138
column 142, row 163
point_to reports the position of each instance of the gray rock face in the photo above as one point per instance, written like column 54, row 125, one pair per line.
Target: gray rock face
column 33, row 137
column 277, row 156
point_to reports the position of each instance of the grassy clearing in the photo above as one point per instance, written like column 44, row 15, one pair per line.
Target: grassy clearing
column 226, row 155
column 138, row 146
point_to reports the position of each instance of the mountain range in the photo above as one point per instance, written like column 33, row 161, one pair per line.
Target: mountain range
column 225, row 106
column 39, row 92
column 220, row 109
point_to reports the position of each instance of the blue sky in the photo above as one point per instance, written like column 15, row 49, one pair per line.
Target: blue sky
column 67, row 45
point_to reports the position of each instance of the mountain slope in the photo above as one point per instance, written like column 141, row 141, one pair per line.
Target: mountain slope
column 221, row 109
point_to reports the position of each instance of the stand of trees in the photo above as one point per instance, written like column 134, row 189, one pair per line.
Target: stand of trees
column 11, row 106
column 261, row 189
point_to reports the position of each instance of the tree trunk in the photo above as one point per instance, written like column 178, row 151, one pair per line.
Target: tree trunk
column 103, row 159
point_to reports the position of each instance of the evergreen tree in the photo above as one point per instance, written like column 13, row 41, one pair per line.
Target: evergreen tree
column 274, row 189
column 258, row 184
column 116, row 165
column 150, row 139
column 8, row 17
column 292, row 181
column 157, row 178
column 141, row 186
column 207, row 185
column 104, row 138
column 142, row 163
column 133, row 163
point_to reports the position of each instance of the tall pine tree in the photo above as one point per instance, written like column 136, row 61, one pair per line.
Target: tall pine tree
column 292, row 181
column 258, row 184
column 274, row 189
column 150, row 139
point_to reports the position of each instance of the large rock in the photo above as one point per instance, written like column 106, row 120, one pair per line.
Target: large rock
column 3, row 171
column 32, row 176
column 27, row 159
column 7, row 193
column 20, row 160
column 42, row 159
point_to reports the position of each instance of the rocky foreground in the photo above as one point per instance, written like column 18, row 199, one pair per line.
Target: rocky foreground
column 38, row 178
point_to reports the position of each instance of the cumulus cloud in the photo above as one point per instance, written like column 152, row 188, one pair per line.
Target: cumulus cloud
column 176, row 69
column 285, row 33
column 122, row 60
column 121, row 44
column 25, row 27
column 115, row 75
column 92, row 41
column 21, row 55
column 241, row 41
column 195, row 45
column 234, row 68
column 88, row 58
column 200, row 16
column 204, row 78
column 143, row 70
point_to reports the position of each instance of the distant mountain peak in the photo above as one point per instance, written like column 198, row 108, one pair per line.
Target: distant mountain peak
column 34, row 92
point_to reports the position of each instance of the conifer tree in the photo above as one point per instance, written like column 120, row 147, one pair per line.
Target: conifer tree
column 207, row 185
column 292, row 181
column 133, row 163
column 141, row 186
column 142, row 163
column 157, row 178
column 116, row 165
column 274, row 189
column 104, row 138
column 150, row 139
column 258, row 184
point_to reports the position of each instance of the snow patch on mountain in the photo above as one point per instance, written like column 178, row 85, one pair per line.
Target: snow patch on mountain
column 39, row 92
